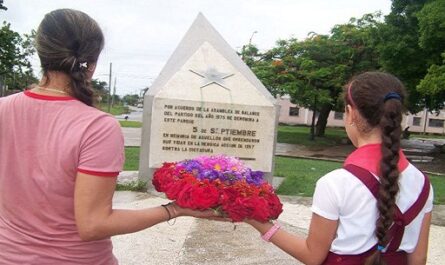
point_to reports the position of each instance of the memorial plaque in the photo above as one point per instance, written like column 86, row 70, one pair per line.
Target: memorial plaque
column 207, row 101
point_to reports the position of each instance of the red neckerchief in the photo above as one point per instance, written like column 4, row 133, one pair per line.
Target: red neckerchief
column 369, row 156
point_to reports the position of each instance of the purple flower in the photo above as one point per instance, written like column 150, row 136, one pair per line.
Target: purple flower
column 210, row 174
column 193, row 167
column 225, row 168
column 255, row 177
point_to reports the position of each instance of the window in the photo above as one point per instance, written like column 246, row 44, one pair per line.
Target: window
column 416, row 121
column 436, row 123
column 294, row 111
column 338, row 115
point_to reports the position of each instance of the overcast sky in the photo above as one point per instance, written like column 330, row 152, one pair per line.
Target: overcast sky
column 140, row 35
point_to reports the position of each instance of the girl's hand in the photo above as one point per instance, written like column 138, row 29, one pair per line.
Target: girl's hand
column 177, row 211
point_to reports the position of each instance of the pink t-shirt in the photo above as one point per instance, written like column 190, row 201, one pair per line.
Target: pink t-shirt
column 44, row 142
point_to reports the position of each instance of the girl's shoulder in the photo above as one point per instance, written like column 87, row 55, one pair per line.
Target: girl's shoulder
column 337, row 177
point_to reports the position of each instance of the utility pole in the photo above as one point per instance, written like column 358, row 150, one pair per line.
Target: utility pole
column 114, row 92
column 109, row 89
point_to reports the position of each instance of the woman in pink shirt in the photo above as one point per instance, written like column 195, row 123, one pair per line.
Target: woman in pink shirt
column 60, row 156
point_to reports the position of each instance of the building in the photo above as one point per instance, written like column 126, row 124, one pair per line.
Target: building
column 425, row 121
column 293, row 114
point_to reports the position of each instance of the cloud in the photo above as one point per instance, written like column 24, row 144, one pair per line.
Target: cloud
column 141, row 35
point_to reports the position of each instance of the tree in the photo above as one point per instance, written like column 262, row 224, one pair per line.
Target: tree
column 353, row 48
column 99, row 86
column 432, row 86
column 15, row 68
column 400, row 53
column 131, row 99
column 2, row 7
column 432, row 41
column 314, row 71
column 101, row 89
column 270, row 69
column 249, row 54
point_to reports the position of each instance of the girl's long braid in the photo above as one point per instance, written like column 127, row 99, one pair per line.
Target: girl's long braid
column 368, row 92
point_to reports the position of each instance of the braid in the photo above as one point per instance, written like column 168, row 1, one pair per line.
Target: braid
column 378, row 97
column 81, row 84
column 389, row 174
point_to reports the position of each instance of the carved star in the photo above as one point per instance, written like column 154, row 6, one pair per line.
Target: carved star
column 212, row 76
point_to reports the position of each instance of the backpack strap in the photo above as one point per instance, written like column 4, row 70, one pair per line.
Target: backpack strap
column 401, row 220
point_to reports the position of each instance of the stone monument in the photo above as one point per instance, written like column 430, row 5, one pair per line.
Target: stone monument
column 207, row 101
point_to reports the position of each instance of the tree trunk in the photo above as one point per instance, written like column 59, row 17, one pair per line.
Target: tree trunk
column 312, row 134
column 323, row 119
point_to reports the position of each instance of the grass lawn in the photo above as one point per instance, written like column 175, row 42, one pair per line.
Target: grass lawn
column 131, row 158
column 300, row 135
column 438, row 183
column 115, row 110
column 427, row 136
column 131, row 124
column 300, row 174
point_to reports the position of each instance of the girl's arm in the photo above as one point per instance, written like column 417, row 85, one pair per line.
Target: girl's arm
column 418, row 257
column 313, row 249
column 96, row 219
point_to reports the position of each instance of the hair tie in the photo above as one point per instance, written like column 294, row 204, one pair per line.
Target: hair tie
column 83, row 65
column 392, row 95
column 380, row 248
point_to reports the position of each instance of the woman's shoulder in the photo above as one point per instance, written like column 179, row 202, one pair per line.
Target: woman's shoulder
column 89, row 120
column 11, row 97
column 91, row 113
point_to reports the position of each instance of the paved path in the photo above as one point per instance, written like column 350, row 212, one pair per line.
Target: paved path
column 135, row 115
column 193, row 241
column 132, row 136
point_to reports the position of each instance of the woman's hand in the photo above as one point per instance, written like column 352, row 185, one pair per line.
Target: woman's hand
column 211, row 214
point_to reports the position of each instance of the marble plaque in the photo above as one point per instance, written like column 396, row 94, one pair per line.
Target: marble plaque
column 207, row 101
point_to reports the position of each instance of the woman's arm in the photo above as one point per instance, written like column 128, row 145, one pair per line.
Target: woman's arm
column 313, row 249
column 96, row 219
column 418, row 257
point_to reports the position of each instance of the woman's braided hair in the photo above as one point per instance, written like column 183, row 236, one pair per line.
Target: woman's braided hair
column 70, row 41
column 369, row 94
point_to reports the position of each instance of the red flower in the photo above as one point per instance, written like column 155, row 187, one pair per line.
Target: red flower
column 198, row 197
column 239, row 200
column 184, row 198
column 228, row 195
column 164, row 177
column 275, row 206
column 237, row 210
column 205, row 197
column 260, row 209
column 175, row 188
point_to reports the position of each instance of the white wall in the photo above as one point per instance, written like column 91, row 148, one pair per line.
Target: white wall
column 305, row 118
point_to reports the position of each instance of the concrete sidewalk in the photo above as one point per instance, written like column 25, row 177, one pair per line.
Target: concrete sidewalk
column 194, row 241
